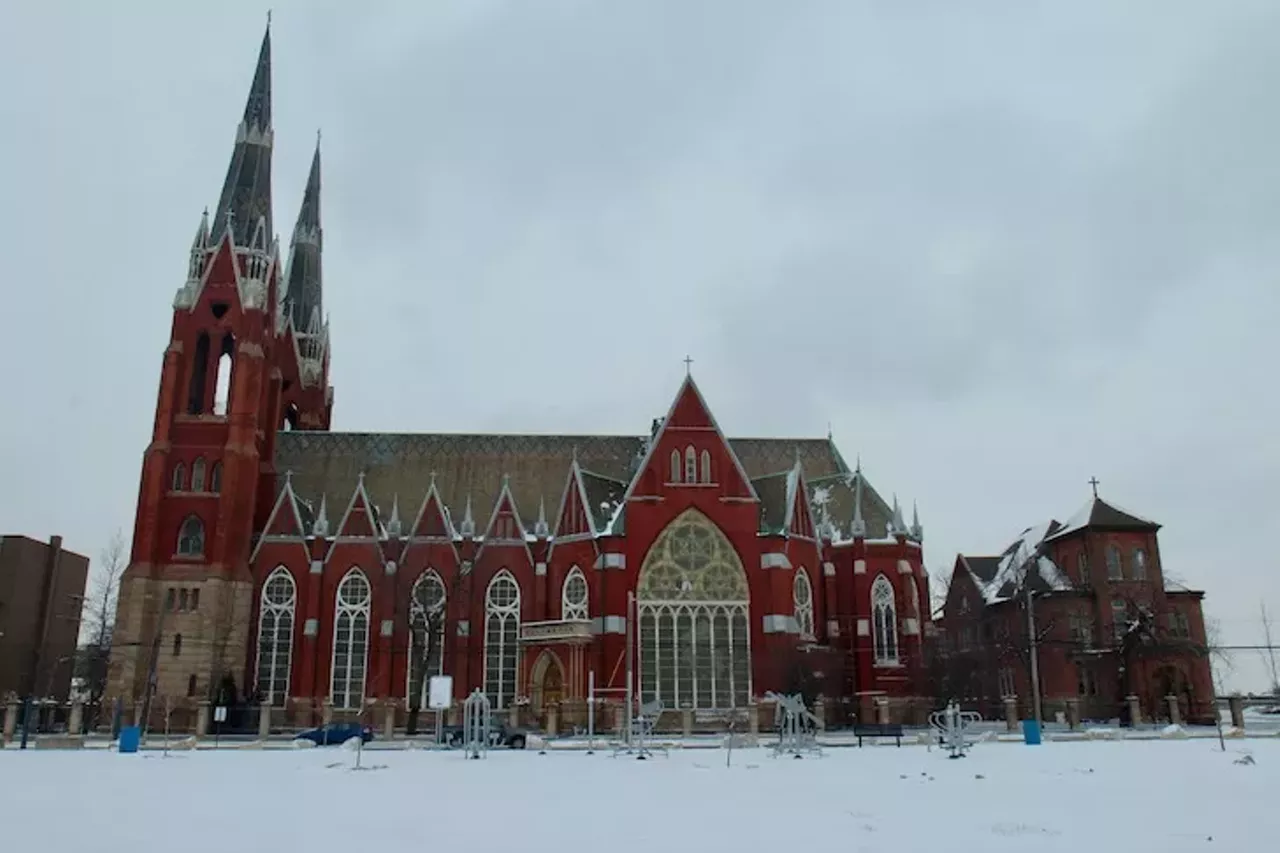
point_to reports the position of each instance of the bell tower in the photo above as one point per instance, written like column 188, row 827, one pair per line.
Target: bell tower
column 186, row 597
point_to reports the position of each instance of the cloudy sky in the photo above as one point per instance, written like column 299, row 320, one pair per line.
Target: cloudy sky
column 1000, row 250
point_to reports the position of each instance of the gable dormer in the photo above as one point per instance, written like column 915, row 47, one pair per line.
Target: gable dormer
column 573, row 519
column 504, row 525
column 432, row 521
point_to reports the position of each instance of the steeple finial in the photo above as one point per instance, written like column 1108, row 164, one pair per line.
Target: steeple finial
column 394, row 525
column 246, row 191
column 468, row 526
column 321, row 525
column 897, row 526
column 859, row 526
column 917, row 532
column 304, row 291
column 688, row 365
column 540, row 527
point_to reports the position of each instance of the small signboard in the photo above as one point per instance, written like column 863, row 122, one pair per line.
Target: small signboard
column 220, row 714
column 440, row 695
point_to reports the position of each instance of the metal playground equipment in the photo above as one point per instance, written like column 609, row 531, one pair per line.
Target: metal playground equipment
column 477, row 716
column 639, row 737
column 797, row 726
column 951, row 725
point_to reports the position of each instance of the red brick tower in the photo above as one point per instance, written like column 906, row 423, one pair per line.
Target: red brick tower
column 247, row 356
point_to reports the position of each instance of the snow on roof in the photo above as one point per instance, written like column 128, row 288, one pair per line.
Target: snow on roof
column 1099, row 513
column 1011, row 572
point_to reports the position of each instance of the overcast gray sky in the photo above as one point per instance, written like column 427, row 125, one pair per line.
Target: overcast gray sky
column 1001, row 247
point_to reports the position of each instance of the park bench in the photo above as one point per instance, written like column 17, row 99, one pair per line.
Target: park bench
column 893, row 730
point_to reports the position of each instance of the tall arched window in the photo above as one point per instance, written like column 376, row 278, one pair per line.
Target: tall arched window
column 1115, row 570
column 690, row 465
column 884, row 622
column 675, row 466
column 501, row 639
column 276, row 613
column 191, row 537
column 215, row 478
column 179, row 478
column 177, row 645
column 692, row 608
column 802, row 597
column 350, row 640
column 197, row 475
column 426, row 636
column 573, row 596
column 706, row 466
column 1139, row 564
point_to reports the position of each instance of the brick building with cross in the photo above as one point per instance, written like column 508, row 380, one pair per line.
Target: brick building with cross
column 323, row 573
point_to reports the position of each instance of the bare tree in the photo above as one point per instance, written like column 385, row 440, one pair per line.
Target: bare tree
column 97, row 622
column 1269, row 653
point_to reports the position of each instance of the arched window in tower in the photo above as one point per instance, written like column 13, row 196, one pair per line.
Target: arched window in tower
column 706, row 466
column 692, row 612
column 1115, row 570
column 199, row 375
column 426, row 636
column 177, row 645
column 676, row 466
column 191, row 537
column 197, row 475
column 884, row 623
column 573, row 596
column 275, row 636
column 179, row 478
column 501, row 639
column 802, row 599
column 350, row 641
column 215, row 478
column 690, row 465
column 222, row 384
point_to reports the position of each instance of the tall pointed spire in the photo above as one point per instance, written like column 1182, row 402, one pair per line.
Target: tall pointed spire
column 859, row 526
column 303, row 292
column 917, row 532
column 246, row 192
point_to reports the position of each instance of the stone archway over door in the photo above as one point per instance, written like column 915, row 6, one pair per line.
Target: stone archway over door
column 692, row 608
column 548, row 681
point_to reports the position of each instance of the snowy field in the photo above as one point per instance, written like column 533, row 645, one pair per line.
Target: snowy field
column 1110, row 796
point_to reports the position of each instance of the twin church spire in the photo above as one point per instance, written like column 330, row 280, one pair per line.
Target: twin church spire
column 245, row 207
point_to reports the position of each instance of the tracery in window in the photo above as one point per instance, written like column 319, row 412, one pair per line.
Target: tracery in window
column 501, row 640
column 884, row 622
column 191, row 537
column 350, row 640
column 802, row 596
column 276, row 612
column 573, row 596
column 690, row 465
column 426, row 635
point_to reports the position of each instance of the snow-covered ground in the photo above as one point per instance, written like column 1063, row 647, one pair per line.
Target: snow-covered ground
column 1166, row 795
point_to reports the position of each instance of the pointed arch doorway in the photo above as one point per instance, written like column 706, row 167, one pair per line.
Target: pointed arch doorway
column 547, row 679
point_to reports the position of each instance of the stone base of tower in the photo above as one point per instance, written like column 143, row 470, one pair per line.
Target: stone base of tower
column 196, row 630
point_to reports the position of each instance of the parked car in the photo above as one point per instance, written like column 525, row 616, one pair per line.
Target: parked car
column 499, row 735
column 335, row 733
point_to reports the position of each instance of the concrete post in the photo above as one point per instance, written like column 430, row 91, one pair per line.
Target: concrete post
column 75, row 722
column 686, row 720
column 553, row 719
column 1135, row 710
column 202, row 719
column 389, row 719
column 882, row 710
column 820, row 711
column 1073, row 712
column 326, row 711
column 1236, row 704
column 753, row 719
column 10, row 720
column 513, row 716
column 264, row 721
column 1011, row 713
column 1175, row 710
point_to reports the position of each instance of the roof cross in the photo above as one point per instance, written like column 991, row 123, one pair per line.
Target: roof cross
column 1093, row 481
column 688, row 366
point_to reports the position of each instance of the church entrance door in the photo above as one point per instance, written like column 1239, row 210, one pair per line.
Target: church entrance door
column 548, row 683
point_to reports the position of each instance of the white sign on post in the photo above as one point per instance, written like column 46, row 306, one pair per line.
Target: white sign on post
column 220, row 714
column 440, row 695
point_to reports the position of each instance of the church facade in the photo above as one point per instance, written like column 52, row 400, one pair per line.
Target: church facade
column 322, row 573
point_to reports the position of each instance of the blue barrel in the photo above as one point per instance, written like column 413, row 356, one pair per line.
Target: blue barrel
column 130, row 738
column 1031, row 732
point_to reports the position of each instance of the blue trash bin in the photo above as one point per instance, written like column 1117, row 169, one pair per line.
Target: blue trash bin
column 1031, row 732
column 130, row 738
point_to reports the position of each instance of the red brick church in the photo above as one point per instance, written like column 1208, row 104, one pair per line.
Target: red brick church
column 322, row 572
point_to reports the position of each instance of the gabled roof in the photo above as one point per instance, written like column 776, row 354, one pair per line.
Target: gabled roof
column 1023, row 562
column 772, row 491
column 602, row 498
column 1097, row 514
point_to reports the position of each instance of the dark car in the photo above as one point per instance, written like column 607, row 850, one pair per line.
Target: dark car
column 336, row 733
column 499, row 735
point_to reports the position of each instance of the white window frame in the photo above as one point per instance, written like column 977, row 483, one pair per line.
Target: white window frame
column 427, row 616
column 506, row 617
column 706, row 466
column 574, row 607
column 884, row 622
column 802, row 603
column 690, row 465
column 357, row 610
column 273, row 612
column 677, row 466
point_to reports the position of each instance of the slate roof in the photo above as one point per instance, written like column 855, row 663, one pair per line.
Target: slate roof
column 400, row 465
column 1097, row 514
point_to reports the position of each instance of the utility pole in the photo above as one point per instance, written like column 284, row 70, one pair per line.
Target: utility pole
column 1034, row 652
